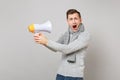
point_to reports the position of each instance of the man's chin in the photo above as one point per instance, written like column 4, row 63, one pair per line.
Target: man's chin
column 74, row 29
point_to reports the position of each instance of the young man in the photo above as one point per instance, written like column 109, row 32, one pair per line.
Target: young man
column 72, row 45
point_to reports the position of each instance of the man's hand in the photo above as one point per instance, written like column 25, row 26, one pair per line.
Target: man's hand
column 40, row 38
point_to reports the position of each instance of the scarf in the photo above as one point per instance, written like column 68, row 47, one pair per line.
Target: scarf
column 69, row 39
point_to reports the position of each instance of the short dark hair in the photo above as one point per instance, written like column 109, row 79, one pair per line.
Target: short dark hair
column 72, row 11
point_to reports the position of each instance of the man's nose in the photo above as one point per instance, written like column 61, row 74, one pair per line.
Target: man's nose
column 74, row 21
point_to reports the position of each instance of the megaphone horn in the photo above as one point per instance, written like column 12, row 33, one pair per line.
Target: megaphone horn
column 45, row 27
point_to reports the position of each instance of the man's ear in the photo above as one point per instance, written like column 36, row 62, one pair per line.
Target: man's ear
column 81, row 20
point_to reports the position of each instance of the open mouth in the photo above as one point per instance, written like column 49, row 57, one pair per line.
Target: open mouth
column 74, row 26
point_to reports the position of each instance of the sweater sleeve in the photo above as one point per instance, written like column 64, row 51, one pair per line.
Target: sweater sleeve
column 59, row 41
column 79, row 43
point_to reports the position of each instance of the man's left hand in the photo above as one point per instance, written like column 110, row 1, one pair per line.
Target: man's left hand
column 40, row 38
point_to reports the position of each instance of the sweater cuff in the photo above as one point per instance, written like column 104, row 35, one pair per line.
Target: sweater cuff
column 50, row 45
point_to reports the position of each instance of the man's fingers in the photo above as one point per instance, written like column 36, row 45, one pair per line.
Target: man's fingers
column 37, row 38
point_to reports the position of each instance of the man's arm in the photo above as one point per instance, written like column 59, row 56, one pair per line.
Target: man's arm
column 41, row 39
column 60, row 41
column 78, row 44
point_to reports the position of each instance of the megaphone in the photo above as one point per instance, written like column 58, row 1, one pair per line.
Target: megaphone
column 36, row 28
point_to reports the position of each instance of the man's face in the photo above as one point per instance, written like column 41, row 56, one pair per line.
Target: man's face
column 74, row 21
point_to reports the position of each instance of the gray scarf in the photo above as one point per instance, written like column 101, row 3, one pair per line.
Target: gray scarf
column 68, row 39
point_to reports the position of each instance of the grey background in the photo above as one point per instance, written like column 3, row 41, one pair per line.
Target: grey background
column 22, row 59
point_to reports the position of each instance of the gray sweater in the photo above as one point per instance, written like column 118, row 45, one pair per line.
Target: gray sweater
column 73, row 47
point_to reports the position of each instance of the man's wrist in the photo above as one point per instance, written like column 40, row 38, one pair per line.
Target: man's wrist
column 46, row 42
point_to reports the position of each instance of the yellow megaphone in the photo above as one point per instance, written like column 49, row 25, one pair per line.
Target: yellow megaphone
column 36, row 28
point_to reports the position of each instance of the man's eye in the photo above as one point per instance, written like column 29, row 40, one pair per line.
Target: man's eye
column 70, row 19
column 76, row 18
